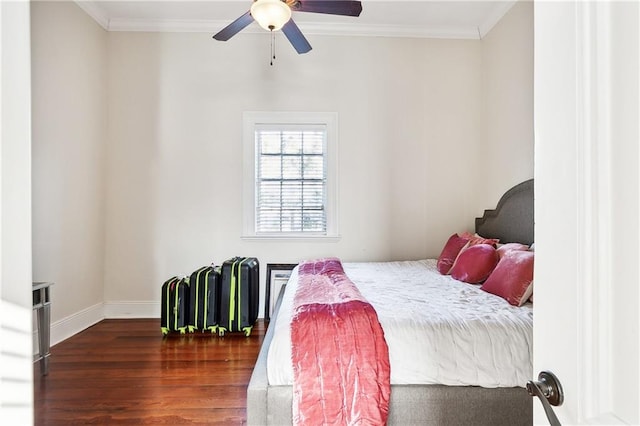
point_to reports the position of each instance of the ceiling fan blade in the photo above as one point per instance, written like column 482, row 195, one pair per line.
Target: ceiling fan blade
column 296, row 37
column 235, row 27
column 331, row 7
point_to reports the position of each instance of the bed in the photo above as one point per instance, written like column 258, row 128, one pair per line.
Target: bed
column 428, row 396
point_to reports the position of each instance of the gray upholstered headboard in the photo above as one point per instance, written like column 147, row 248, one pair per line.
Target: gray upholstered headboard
column 512, row 220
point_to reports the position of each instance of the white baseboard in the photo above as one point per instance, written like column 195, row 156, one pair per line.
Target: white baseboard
column 73, row 324
column 125, row 309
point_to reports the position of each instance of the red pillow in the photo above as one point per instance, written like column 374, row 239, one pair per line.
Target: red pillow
column 513, row 277
column 511, row 246
column 475, row 263
column 450, row 253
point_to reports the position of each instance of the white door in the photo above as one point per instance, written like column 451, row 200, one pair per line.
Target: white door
column 16, row 355
column 586, row 321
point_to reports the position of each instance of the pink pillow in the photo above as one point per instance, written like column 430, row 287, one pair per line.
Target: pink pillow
column 450, row 253
column 513, row 277
column 511, row 246
column 474, row 264
column 478, row 239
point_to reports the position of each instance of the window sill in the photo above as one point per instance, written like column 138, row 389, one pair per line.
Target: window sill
column 293, row 238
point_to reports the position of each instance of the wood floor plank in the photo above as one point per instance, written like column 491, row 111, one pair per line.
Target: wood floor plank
column 126, row 372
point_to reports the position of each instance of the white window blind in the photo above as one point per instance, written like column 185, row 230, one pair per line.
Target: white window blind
column 291, row 179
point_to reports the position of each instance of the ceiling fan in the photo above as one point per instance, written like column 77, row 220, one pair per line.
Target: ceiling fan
column 273, row 15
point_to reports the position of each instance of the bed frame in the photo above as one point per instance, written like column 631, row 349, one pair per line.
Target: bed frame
column 511, row 221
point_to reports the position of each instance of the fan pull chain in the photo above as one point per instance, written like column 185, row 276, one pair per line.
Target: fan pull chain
column 273, row 47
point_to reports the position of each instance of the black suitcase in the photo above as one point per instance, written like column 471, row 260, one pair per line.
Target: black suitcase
column 175, row 305
column 239, row 295
column 204, row 285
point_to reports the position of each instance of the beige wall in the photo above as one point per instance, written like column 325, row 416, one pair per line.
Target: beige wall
column 507, row 83
column 69, row 136
column 174, row 199
column 144, row 144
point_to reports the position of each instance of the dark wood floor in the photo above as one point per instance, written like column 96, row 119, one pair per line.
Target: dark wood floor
column 125, row 372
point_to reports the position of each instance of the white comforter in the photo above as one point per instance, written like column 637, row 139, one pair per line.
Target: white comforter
column 439, row 330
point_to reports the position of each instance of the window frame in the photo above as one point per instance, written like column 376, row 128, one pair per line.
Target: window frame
column 252, row 120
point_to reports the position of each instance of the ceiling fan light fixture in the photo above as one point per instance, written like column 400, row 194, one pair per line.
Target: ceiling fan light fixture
column 271, row 14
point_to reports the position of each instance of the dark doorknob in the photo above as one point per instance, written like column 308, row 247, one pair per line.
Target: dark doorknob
column 549, row 390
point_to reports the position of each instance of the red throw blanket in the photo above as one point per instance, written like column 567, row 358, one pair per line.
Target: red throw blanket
column 340, row 357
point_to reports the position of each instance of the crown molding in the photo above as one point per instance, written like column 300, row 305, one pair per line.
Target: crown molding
column 390, row 31
column 96, row 12
column 497, row 14
column 168, row 25
column 333, row 29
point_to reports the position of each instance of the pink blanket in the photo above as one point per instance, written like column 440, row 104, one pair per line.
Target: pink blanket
column 340, row 357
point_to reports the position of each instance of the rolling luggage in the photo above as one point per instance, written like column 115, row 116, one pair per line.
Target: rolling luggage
column 204, row 285
column 239, row 295
column 175, row 305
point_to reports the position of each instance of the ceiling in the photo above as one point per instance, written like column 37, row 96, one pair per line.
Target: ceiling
column 417, row 18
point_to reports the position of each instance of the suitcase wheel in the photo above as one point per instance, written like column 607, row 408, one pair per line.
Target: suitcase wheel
column 182, row 330
column 247, row 331
column 221, row 331
column 165, row 331
column 213, row 329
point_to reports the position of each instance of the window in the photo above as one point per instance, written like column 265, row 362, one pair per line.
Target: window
column 289, row 175
column 290, row 179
